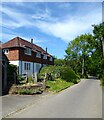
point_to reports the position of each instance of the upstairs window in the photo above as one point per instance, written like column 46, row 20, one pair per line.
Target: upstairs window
column 51, row 59
column 45, row 56
column 6, row 51
column 38, row 54
column 28, row 51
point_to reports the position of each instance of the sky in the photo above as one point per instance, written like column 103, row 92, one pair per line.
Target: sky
column 50, row 24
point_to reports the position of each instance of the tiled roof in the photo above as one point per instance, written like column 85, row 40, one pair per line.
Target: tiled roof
column 19, row 42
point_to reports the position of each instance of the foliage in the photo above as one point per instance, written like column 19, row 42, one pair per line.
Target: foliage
column 26, row 91
column 87, row 48
column 57, row 85
column 54, row 71
column 69, row 75
column 20, row 78
column 11, row 69
column 98, row 32
column 59, row 62
column 60, row 72
column 30, row 79
column 78, row 50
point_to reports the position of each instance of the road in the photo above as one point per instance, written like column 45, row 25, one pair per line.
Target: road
column 83, row 100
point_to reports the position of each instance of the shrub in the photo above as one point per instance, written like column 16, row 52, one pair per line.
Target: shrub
column 11, row 69
column 20, row 78
column 69, row 75
column 30, row 79
column 59, row 72
column 26, row 91
column 53, row 72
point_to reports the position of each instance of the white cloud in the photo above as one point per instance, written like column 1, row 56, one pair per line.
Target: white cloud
column 16, row 19
column 66, row 29
column 71, row 27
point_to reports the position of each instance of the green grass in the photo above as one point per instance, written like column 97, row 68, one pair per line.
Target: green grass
column 58, row 85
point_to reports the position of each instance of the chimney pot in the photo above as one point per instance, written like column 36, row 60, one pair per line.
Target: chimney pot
column 46, row 49
column 32, row 41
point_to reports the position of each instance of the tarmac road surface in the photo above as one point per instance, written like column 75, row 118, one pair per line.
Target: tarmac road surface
column 83, row 100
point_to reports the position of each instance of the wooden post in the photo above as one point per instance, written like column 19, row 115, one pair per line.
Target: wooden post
column 44, row 81
column 36, row 77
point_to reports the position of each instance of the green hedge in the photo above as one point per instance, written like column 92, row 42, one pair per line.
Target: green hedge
column 69, row 75
column 62, row 72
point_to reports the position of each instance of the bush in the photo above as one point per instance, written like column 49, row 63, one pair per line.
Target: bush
column 30, row 79
column 11, row 69
column 69, row 75
column 26, row 91
column 59, row 72
column 52, row 71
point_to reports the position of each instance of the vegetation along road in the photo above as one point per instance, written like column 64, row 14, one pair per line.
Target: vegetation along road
column 83, row 100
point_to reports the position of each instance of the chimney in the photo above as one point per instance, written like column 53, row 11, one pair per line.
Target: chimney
column 46, row 49
column 31, row 42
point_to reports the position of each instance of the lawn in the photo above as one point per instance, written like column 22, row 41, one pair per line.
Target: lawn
column 57, row 85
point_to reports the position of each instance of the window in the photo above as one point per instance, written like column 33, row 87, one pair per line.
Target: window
column 38, row 54
column 45, row 56
column 6, row 51
column 27, row 66
column 51, row 59
column 28, row 51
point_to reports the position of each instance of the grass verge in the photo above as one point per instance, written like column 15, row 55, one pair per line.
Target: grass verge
column 57, row 85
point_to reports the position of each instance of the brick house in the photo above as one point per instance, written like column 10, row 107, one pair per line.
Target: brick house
column 27, row 56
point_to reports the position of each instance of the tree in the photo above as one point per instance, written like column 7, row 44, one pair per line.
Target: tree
column 98, row 32
column 78, row 51
column 59, row 62
column 98, row 56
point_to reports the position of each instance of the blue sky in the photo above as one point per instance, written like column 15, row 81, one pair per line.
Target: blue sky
column 51, row 25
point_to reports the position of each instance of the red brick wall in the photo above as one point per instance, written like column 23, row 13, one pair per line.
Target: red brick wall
column 13, row 54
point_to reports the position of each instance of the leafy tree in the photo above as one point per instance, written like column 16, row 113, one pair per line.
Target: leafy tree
column 59, row 62
column 98, row 56
column 78, row 51
column 98, row 32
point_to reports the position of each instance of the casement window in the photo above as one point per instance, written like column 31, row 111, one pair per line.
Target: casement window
column 51, row 59
column 38, row 54
column 28, row 51
column 6, row 51
column 27, row 66
column 45, row 56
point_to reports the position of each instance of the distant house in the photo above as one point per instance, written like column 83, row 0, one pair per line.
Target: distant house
column 29, row 57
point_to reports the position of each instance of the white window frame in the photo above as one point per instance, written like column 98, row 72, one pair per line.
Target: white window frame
column 6, row 51
column 38, row 54
column 51, row 59
column 45, row 56
column 28, row 51
column 27, row 66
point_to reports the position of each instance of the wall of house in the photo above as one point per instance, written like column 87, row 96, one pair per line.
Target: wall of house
column 34, row 67
column 13, row 54
column 18, row 57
